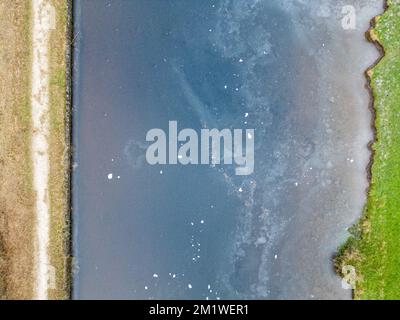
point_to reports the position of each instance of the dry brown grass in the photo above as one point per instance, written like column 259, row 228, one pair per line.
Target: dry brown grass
column 16, row 195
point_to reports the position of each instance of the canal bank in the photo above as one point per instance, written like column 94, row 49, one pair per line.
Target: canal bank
column 34, row 255
column 60, row 276
column 372, row 248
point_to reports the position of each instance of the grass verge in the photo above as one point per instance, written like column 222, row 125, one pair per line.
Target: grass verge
column 59, row 155
column 374, row 246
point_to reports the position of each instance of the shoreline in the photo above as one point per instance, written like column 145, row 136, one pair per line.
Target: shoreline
column 371, row 107
column 368, row 76
column 366, row 248
column 60, row 155
column 339, row 257
column 68, row 139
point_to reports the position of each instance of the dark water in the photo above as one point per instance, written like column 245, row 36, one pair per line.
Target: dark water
column 201, row 231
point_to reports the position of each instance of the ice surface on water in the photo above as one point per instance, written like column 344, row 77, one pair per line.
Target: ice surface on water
column 243, row 33
column 288, row 70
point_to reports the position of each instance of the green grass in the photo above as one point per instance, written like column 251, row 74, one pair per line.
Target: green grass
column 374, row 247
column 59, row 156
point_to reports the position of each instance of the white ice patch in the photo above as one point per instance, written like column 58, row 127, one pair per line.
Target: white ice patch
column 261, row 240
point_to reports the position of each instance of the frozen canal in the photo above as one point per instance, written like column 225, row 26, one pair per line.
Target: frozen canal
column 290, row 69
